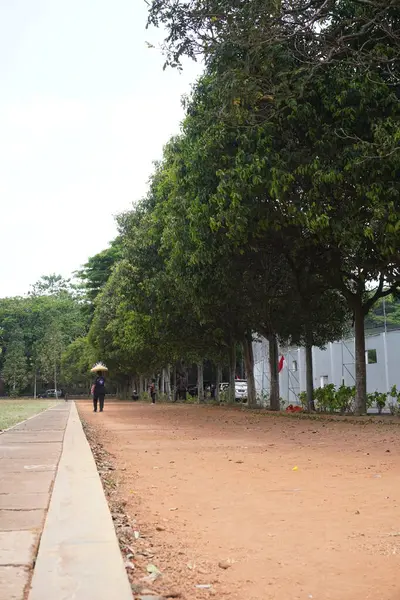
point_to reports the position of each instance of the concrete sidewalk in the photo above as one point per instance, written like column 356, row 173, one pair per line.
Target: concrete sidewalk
column 29, row 455
column 79, row 556
column 47, row 459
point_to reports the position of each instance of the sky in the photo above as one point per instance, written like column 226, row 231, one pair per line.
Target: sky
column 85, row 109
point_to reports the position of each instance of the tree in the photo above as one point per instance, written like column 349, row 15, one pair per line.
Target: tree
column 322, row 32
column 384, row 314
column 15, row 367
column 96, row 272
column 350, row 196
column 50, row 352
column 76, row 362
column 318, row 84
column 35, row 316
column 51, row 285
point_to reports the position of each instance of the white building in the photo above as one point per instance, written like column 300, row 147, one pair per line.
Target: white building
column 334, row 364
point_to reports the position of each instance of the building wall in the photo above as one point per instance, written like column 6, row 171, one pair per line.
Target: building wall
column 334, row 364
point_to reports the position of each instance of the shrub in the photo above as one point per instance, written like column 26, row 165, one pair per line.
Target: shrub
column 224, row 396
column 394, row 403
column 191, row 399
column 263, row 399
column 325, row 398
column 379, row 399
column 344, row 398
column 303, row 400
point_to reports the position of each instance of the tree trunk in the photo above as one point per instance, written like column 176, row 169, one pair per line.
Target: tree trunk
column 360, row 407
column 218, row 383
column 309, row 373
column 168, row 382
column 249, row 367
column 232, row 373
column 200, row 381
column 141, row 384
column 55, row 380
column 162, row 384
column 175, row 386
column 274, row 398
column 35, row 386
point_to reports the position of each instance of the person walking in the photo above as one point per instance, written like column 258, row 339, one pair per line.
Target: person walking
column 153, row 393
column 99, row 392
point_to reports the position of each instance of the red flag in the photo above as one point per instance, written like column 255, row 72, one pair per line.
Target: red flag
column 281, row 363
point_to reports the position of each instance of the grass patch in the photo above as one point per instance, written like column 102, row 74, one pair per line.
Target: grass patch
column 15, row 411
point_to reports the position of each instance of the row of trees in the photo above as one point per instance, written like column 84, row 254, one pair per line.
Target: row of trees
column 35, row 331
column 276, row 211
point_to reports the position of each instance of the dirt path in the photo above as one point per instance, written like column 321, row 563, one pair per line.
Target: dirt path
column 220, row 486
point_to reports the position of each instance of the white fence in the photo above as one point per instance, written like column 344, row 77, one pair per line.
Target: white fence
column 334, row 364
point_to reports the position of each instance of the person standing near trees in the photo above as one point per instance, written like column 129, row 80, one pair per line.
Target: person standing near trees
column 153, row 392
column 99, row 392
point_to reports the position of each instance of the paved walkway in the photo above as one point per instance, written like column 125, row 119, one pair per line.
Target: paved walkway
column 29, row 455
column 47, row 459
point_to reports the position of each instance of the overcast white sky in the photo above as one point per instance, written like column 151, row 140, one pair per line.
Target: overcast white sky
column 85, row 108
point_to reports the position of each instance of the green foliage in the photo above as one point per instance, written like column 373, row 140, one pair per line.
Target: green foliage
column 45, row 322
column 15, row 411
column 293, row 136
column 394, row 394
column 344, row 398
column 379, row 399
column 330, row 399
column 52, row 285
column 76, row 362
column 96, row 272
column 303, row 400
column 325, row 398
column 15, row 367
column 385, row 311
column 275, row 211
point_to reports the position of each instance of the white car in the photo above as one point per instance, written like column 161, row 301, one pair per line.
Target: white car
column 240, row 389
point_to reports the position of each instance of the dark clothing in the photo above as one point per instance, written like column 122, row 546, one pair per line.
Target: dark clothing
column 181, row 393
column 153, row 393
column 100, row 386
column 99, row 392
column 98, row 398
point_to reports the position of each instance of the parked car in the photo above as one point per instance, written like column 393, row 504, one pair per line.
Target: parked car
column 240, row 389
column 51, row 394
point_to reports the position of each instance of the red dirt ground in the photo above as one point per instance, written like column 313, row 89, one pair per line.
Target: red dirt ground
column 221, row 482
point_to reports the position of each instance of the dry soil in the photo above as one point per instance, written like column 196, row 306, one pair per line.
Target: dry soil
column 259, row 507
